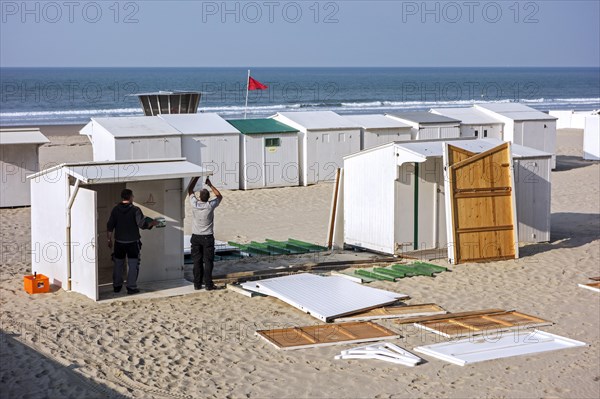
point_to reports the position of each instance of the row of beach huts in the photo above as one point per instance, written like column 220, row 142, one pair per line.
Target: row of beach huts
column 394, row 194
column 289, row 148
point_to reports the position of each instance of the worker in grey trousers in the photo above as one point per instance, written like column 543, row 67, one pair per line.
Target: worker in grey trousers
column 203, row 239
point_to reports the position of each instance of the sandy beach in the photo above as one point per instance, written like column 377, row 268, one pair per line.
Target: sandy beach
column 203, row 345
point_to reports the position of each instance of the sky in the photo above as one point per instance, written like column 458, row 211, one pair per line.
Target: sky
column 72, row 33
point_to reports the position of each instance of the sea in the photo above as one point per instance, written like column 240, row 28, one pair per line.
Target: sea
column 57, row 96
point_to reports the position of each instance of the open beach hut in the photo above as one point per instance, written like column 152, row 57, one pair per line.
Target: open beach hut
column 407, row 208
column 379, row 129
column 525, row 126
column 209, row 141
column 268, row 153
column 473, row 122
column 324, row 138
column 19, row 157
column 132, row 137
column 71, row 203
column 427, row 125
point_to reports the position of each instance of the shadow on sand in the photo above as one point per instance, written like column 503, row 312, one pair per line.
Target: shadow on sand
column 568, row 162
column 24, row 372
column 568, row 230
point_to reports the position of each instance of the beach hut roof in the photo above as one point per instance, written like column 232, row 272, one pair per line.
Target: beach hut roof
column 467, row 116
column 136, row 126
column 424, row 117
column 258, row 126
column 22, row 136
column 196, row 124
column 419, row 151
column 376, row 121
column 128, row 171
column 317, row 120
column 516, row 111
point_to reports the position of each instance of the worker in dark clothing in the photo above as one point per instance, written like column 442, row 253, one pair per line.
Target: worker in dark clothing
column 126, row 220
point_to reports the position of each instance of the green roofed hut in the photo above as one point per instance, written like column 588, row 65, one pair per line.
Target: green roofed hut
column 268, row 153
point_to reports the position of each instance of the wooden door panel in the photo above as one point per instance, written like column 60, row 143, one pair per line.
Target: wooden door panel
column 481, row 204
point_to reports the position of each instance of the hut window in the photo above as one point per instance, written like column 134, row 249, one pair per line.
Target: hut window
column 273, row 142
column 485, row 133
column 325, row 138
column 342, row 137
column 476, row 133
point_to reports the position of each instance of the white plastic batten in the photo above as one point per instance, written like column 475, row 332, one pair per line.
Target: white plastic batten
column 385, row 346
column 68, row 231
column 589, row 288
column 378, row 356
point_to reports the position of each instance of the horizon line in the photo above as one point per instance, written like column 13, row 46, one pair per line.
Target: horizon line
column 315, row 66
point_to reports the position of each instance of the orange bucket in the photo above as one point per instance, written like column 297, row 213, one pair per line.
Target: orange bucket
column 37, row 284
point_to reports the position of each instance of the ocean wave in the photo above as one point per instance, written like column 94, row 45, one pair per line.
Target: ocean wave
column 55, row 117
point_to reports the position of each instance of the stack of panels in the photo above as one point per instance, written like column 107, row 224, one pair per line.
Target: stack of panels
column 387, row 352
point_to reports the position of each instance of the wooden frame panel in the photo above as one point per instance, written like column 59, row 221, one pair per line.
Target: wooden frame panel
column 326, row 334
column 400, row 311
column 481, row 324
column 453, row 315
column 482, row 204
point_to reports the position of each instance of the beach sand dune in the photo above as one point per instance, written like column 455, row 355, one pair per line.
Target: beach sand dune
column 203, row 345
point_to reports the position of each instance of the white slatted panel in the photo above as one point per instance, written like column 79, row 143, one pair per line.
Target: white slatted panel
column 468, row 351
column 323, row 297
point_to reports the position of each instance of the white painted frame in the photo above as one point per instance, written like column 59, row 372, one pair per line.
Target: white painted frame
column 467, row 351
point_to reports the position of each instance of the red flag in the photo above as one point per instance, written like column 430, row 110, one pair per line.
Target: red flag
column 254, row 84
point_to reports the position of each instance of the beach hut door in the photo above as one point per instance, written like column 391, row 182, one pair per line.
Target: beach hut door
column 84, row 249
column 482, row 204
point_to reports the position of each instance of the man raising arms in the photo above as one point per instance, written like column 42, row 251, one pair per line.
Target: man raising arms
column 203, row 239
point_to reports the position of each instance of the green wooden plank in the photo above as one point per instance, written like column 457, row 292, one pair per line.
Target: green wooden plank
column 269, row 248
column 284, row 251
column 412, row 271
column 284, row 245
column 252, row 248
column 437, row 269
column 390, row 272
column 377, row 276
column 311, row 247
column 237, row 245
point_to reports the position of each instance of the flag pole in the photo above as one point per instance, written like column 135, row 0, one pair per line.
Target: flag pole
column 247, row 84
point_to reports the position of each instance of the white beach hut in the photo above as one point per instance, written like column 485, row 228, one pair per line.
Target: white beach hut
column 268, row 153
column 133, row 137
column 405, row 207
column 379, row 129
column 209, row 141
column 324, row 138
column 570, row 119
column 71, row 204
column 473, row 122
column 427, row 125
column 19, row 157
column 591, row 138
column 525, row 126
